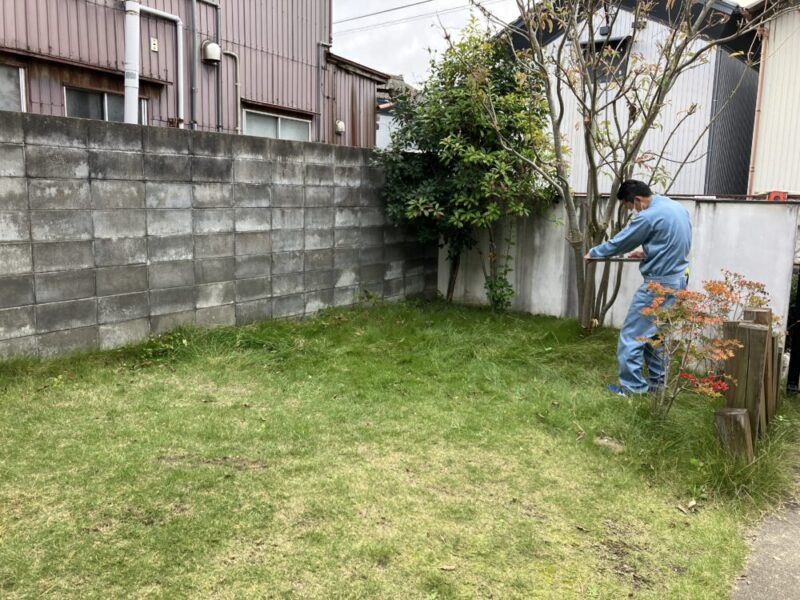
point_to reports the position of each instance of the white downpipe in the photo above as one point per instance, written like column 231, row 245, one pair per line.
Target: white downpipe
column 237, row 85
column 131, row 62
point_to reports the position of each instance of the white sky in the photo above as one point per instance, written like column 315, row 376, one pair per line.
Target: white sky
column 402, row 48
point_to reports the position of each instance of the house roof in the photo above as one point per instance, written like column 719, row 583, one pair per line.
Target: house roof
column 358, row 68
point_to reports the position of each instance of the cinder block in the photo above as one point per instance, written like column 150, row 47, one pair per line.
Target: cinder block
column 287, row 150
column 210, row 168
column 253, row 289
column 115, row 224
column 63, row 342
column 345, row 277
column 66, row 315
column 167, row 322
column 213, row 246
column 370, row 273
column 170, row 248
column 166, row 140
column 12, row 161
column 24, row 346
column 207, row 143
column 394, row 252
column 287, row 262
column 213, row 220
column 345, row 258
column 318, row 153
column 394, row 270
column 318, row 239
column 121, row 280
column 288, row 196
column 16, row 291
column 15, row 259
column 215, row 294
column 14, row 226
column 117, row 194
column 394, row 288
column 347, row 217
column 58, row 194
column 252, row 265
column 109, row 164
column 288, row 173
column 173, row 168
column 214, row 270
column 252, row 219
column 287, row 218
column 319, row 300
column 45, row 162
column 245, row 146
column 347, row 197
column 415, row 285
column 371, row 288
column 61, row 225
column 65, row 285
column 285, row 240
column 212, row 195
column 347, row 238
column 125, row 307
column 169, row 222
column 11, row 127
column 13, row 193
column 246, row 170
column 252, row 195
column 283, row 285
column 318, row 280
column 372, row 177
column 373, row 217
column 348, row 156
column 372, row 198
column 253, row 243
column 17, row 322
column 414, row 267
column 54, row 131
column 431, row 285
column 345, row 296
column 168, row 195
column 114, row 136
column 319, row 196
column 347, row 176
column 316, row 260
column 217, row 316
column 129, row 251
column 288, row 306
column 62, row 256
column 172, row 300
column 319, row 174
column 115, row 335
column 170, row 274
column 371, row 236
column 253, row 312
column 371, row 255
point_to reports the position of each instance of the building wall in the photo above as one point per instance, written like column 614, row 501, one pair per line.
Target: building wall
column 778, row 135
column 112, row 232
column 276, row 41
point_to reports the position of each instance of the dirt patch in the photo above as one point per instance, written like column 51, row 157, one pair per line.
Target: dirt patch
column 619, row 550
column 237, row 462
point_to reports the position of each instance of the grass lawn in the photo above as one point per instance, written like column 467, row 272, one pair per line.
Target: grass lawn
column 388, row 451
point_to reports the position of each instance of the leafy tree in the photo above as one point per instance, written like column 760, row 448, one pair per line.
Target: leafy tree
column 448, row 175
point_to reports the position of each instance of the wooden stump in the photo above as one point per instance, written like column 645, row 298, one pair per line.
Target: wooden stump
column 733, row 428
column 751, row 393
column 759, row 316
column 730, row 331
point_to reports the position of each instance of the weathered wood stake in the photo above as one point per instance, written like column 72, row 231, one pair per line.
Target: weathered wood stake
column 733, row 428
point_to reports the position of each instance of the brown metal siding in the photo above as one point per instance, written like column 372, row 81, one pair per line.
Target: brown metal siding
column 276, row 40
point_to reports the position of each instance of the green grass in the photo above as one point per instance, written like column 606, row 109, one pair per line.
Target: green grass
column 389, row 451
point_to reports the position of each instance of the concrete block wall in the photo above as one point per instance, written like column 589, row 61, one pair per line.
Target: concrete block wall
column 110, row 232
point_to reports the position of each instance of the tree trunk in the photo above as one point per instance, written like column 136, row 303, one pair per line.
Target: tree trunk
column 455, row 263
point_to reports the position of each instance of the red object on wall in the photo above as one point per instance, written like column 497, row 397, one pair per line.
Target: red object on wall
column 778, row 196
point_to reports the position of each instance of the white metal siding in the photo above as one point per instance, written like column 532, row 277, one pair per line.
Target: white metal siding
column 777, row 156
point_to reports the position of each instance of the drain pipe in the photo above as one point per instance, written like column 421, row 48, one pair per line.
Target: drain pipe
column 131, row 62
column 219, row 69
column 132, row 11
column 321, row 47
column 195, row 69
column 754, row 146
column 238, row 91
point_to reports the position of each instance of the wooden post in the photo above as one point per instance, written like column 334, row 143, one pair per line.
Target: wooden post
column 738, row 388
column 730, row 331
column 753, row 387
column 733, row 428
column 759, row 316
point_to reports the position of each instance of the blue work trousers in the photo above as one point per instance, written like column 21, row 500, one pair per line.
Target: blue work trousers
column 634, row 350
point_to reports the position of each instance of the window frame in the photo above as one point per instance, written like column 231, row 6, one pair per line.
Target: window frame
column 621, row 46
column 23, row 95
column 277, row 116
column 143, row 103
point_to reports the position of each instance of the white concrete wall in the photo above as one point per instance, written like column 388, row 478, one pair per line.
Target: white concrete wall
column 755, row 239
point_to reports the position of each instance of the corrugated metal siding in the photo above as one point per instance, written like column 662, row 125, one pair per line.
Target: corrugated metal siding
column 778, row 144
column 276, row 40
column 695, row 86
column 351, row 99
column 731, row 133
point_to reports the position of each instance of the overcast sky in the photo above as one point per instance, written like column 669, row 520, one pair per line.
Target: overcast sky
column 397, row 42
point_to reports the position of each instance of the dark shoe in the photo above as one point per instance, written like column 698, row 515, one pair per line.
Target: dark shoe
column 618, row 390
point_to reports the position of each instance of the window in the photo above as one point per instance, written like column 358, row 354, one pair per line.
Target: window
column 275, row 126
column 12, row 88
column 611, row 56
column 104, row 106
